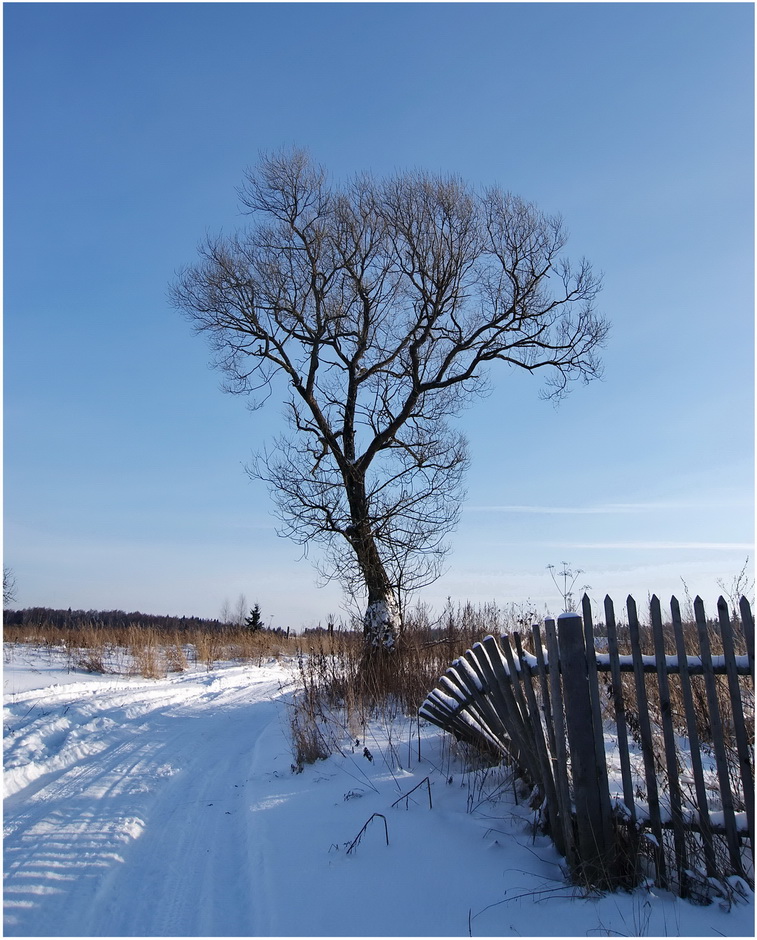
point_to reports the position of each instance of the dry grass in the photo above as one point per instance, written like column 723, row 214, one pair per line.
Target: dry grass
column 340, row 686
column 176, row 658
column 144, row 651
column 147, row 652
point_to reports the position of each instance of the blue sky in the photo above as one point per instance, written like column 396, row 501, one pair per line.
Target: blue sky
column 127, row 129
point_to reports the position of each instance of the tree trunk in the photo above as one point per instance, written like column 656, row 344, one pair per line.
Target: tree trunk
column 381, row 623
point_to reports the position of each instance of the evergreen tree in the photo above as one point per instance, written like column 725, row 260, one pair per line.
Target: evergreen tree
column 254, row 622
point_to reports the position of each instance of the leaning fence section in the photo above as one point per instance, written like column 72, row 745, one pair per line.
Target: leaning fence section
column 639, row 738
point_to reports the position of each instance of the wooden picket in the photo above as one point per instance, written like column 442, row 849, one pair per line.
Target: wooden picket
column 550, row 722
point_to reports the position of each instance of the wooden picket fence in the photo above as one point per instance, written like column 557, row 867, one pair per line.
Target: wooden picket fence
column 674, row 724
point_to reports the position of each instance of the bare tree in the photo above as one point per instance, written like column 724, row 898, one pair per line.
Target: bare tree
column 9, row 586
column 234, row 615
column 240, row 611
column 381, row 303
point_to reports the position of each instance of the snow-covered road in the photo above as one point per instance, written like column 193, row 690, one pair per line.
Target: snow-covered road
column 133, row 789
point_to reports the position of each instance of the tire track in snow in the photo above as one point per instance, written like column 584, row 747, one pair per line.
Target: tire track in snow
column 157, row 810
column 199, row 865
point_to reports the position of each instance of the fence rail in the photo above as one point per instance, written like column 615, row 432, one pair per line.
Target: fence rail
column 636, row 755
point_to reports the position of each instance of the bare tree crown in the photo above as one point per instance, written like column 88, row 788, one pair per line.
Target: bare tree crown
column 383, row 304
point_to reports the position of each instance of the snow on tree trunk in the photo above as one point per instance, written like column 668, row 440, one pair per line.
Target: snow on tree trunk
column 381, row 624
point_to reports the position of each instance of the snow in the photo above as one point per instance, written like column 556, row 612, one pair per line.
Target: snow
column 464, row 666
column 380, row 622
column 170, row 807
column 693, row 663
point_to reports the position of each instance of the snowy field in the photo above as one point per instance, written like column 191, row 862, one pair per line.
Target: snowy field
column 169, row 807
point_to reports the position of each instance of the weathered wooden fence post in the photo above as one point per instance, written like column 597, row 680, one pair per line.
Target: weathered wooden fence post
column 595, row 841
column 718, row 741
column 560, row 754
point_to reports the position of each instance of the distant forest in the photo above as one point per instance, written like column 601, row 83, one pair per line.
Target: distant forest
column 112, row 619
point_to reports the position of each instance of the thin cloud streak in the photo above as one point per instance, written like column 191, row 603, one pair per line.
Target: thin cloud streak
column 609, row 509
column 653, row 546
